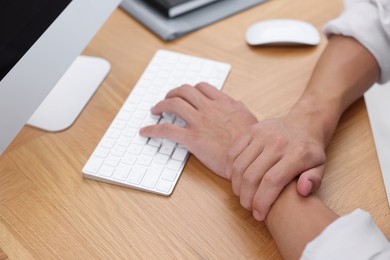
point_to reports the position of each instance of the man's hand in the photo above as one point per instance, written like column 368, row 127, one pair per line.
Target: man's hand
column 260, row 158
column 213, row 121
column 268, row 156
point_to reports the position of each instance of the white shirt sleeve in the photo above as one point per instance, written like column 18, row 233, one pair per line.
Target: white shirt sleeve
column 354, row 236
column 368, row 21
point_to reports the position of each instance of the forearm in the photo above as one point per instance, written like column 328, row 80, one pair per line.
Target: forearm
column 343, row 73
column 294, row 221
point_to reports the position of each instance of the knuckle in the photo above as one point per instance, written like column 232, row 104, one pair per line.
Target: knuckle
column 249, row 178
column 178, row 91
column 176, row 101
column 173, row 100
column 202, row 84
column 231, row 154
column 309, row 153
column 273, row 179
column 172, row 92
column 279, row 141
column 301, row 153
column 237, row 168
column 302, row 150
column 184, row 88
column 320, row 153
column 245, row 203
column 237, row 105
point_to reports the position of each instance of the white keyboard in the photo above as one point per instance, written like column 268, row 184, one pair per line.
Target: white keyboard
column 125, row 158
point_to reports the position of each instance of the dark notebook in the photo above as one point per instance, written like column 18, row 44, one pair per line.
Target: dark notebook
column 169, row 29
column 173, row 8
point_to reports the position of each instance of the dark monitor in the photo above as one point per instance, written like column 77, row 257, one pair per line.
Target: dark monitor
column 43, row 81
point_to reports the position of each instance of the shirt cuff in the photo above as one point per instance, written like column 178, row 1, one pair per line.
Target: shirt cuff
column 354, row 236
column 368, row 22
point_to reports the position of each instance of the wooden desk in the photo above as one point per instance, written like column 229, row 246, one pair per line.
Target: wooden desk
column 3, row 256
column 48, row 211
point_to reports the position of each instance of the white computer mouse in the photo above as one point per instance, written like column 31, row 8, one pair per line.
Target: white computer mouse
column 282, row 32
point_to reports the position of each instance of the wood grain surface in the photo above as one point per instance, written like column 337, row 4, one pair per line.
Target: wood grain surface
column 48, row 211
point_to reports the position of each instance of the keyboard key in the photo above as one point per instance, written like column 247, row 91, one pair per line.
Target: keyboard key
column 141, row 115
column 167, row 147
column 129, row 159
column 107, row 142
column 145, row 160
column 164, row 186
column 169, row 175
column 174, row 165
column 150, row 121
column 124, row 141
column 118, row 151
column 155, row 142
column 93, row 165
column 113, row 133
column 106, row 170
column 140, row 140
column 134, row 99
column 135, row 149
column 179, row 154
column 130, row 108
column 119, row 124
column 136, row 174
column 149, row 150
column 136, row 123
column 125, row 115
column 121, row 172
column 102, row 152
column 161, row 158
column 113, row 160
column 152, row 176
column 130, row 131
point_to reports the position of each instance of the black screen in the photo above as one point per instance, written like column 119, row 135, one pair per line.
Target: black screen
column 22, row 22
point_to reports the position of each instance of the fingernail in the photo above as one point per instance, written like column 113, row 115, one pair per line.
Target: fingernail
column 308, row 188
column 257, row 216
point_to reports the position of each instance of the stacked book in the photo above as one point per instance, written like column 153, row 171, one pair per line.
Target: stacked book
column 173, row 8
column 171, row 19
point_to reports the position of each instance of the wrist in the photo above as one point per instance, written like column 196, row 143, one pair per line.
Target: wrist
column 294, row 221
column 317, row 115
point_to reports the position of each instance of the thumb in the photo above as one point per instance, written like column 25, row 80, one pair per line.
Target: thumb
column 310, row 180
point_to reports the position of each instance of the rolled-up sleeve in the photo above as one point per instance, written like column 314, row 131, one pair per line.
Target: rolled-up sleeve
column 354, row 236
column 368, row 21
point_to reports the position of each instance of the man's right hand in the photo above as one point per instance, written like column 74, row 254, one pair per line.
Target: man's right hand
column 213, row 121
column 268, row 156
